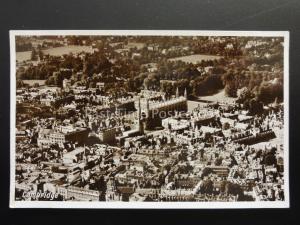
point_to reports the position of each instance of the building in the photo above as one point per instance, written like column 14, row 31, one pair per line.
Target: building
column 73, row 156
column 66, row 84
column 221, row 171
column 100, row 85
column 47, row 137
column 107, row 135
column 80, row 136
column 153, row 111
column 81, row 194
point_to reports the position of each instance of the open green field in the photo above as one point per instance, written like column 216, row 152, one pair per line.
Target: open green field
column 68, row 49
column 136, row 45
column 58, row 51
column 197, row 58
column 204, row 100
column 23, row 56
column 194, row 104
column 218, row 97
column 32, row 82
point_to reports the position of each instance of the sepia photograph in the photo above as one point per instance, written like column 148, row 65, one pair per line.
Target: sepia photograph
column 149, row 119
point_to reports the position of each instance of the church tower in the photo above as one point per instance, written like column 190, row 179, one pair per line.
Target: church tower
column 138, row 120
column 185, row 93
column 147, row 108
column 177, row 92
column 139, row 109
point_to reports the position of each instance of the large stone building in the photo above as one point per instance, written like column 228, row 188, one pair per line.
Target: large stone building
column 78, row 194
column 153, row 111
column 47, row 137
column 108, row 135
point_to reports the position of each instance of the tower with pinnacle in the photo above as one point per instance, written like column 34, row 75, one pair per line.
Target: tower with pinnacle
column 185, row 93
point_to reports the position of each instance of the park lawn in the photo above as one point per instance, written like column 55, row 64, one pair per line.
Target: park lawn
column 196, row 58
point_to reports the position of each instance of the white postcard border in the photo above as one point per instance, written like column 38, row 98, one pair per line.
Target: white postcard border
column 148, row 205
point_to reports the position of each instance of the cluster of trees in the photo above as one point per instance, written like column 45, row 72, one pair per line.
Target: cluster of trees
column 203, row 85
column 268, row 92
column 263, row 61
column 204, row 78
column 198, row 45
column 40, row 72
column 95, row 63
column 206, row 85
column 269, row 52
column 218, row 48
column 258, row 77
column 269, row 157
column 23, row 46
column 170, row 88
column 172, row 75
column 37, row 54
column 71, row 62
column 79, row 40
column 55, row 69
column 232, row 189
column 56, row 79
column 136, row 82
column 226, row 187
column 253, row 88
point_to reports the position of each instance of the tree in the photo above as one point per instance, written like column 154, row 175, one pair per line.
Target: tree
column 213, row 83
column 225, row 126
column 50, row 81
column 223, row 186
column 147, row 83
column 244, row 94
column 92, row 84
column 233, row 189
column 151, row 82
column 20, row 83
column 41, row 54
column 34, row 55
column 206, row 187
column 206, row 171
column 36, row 85
column 102, row 188
column 182, row 156
column 270, row 159
column 255, row 106
column 218, row 161
column 231, row 89
column 267, row 92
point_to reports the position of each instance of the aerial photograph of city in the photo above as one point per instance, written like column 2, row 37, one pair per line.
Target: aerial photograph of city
column 149, row 118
